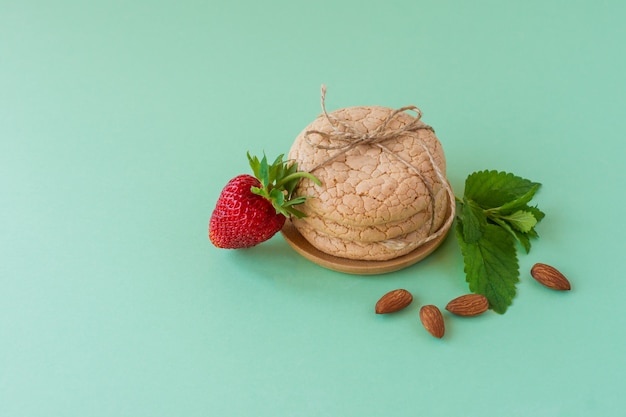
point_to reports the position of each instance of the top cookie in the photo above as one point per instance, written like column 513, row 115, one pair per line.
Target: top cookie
column 369, row 184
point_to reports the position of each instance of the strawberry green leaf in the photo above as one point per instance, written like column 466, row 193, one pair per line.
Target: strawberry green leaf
column 295, row 201
column 294, row 212
column 264, row 173
column 255, row 164
column 277, row 196
column 278, row 182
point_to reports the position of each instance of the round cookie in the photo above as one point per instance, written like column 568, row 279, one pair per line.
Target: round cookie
column 380, row 197
column 373, row 233
column 377, row 232
column 368, row 184
column 366, row 251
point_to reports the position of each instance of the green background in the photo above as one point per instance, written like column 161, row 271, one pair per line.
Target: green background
column 121, row 121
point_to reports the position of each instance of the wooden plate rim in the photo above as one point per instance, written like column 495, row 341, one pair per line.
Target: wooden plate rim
column 352, row 266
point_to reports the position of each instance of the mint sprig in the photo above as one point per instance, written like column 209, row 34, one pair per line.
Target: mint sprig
column 493, row 215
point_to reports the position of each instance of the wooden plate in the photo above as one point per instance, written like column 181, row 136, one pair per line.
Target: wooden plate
column 352, row 266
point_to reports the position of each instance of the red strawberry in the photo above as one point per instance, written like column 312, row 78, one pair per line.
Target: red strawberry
column 250, row 210
column 241, row 218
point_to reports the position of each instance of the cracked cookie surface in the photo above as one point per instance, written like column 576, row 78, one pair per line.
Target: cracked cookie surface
column 371, row 193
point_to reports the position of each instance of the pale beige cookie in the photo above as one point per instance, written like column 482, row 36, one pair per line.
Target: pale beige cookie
column 374, row 233
column 369, row 184
column 365, row 251
column 383, row 189
column 378, row 232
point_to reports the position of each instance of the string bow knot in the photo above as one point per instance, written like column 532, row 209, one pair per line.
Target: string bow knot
column 344, row 136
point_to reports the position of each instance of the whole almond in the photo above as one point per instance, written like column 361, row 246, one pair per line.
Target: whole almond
column 393, row 301
column 550, row 277
column 432, row 320
column 468, row 305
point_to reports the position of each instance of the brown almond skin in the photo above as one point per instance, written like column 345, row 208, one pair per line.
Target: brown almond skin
column 393, row 301
column 550, row 277
column 468, row 305
column 432, row 320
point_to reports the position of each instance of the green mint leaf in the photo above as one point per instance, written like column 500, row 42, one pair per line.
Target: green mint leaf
column 522, row 238
column 491, row 265
column 474, row 220
column 521, row 220
column 532, row 234
column 493, row 189
column 539, row 215
column 519, row 203
column 494, row 214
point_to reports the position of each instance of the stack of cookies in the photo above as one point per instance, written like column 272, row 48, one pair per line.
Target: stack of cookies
column 384, row 191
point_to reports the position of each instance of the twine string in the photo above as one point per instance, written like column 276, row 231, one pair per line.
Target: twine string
column 343, row 138
column 347, row 137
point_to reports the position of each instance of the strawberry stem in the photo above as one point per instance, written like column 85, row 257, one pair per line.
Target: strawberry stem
column 298, row 175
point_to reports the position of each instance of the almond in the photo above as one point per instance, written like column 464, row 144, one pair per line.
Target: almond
column 550, row 277
column 393, row 301
column 468, row 305
column 432, row 319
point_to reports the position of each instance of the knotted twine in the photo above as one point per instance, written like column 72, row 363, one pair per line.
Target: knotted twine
column 344, row 137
